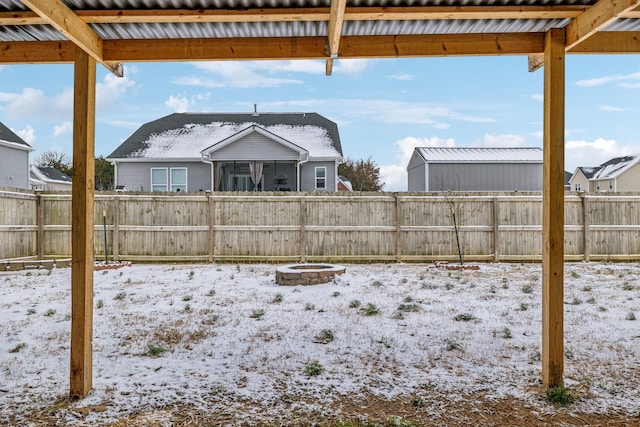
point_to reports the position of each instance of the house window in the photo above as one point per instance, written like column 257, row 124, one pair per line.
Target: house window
column 577, row 187
column 321, row 178
column 597, row 185
column 610, row 185
column 178, row 179
column 164, row 179
column 159, row 179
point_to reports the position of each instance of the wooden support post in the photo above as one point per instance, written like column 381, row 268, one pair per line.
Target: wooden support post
column 116, row 228
column 40, row 224
column 211, row 239
column 553, row 209
column 496, row 230
column 398, row 228
column 585, row 227
column 303, row 229
column 82, row 222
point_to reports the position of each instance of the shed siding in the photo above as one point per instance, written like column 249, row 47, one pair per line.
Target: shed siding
column 254, row 146
column 416, row 178
column 137, row 176
column 14, row 167
column 629, row 180
column 485, row 177
column 308, row 177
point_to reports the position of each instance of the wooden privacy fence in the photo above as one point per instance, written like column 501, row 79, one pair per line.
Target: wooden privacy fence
column 357, row 227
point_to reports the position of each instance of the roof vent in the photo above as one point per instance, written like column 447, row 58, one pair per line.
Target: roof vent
column 255, row 110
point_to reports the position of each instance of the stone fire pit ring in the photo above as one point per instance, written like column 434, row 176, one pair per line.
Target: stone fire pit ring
column 307, row 274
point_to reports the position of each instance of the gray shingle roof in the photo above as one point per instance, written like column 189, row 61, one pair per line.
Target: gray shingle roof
column 139, row 140
column 8, row 135
column 53, row 174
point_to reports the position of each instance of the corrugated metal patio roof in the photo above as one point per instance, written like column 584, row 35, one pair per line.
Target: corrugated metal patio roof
column 480, row 154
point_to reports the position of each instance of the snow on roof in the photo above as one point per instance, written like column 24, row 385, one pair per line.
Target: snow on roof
column 615, row 167
column 481, row 154
column 189, row 140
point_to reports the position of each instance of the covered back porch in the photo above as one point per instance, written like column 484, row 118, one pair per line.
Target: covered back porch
column 274, row 175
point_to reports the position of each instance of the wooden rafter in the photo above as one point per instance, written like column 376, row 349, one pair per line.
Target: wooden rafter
column 336, row 19
column 67, row 22
column 595, row 18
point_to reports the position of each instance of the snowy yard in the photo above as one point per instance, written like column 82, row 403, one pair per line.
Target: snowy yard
column 227, row 340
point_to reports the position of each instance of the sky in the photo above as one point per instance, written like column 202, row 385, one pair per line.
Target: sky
column 383, row 107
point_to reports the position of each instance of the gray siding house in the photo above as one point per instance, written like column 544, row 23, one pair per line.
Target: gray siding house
column 14, row 159
column 230, row 152
column 475, row 169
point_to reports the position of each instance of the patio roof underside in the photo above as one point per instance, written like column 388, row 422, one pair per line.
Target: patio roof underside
column 116, row 31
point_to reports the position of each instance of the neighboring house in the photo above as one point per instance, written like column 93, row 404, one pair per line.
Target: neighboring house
column 616, row 175
column 14, row 159
column 475, row 169
column 344, row 184
column 48, row 178
column 230, row 152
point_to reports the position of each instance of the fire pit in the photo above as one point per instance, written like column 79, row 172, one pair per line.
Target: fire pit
column 307, row 274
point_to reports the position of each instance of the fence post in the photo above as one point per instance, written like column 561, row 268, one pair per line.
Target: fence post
column 115, row 239
column 303, row 229
column 211, row 239
column 40, row 224
column 398, row 228
column 585, row 226
column 496, row 230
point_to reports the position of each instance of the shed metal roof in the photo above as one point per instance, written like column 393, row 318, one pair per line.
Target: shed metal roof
column 480, row 155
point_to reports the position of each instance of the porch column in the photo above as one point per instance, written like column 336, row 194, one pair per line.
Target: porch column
column 553, row 210
column 82, row 223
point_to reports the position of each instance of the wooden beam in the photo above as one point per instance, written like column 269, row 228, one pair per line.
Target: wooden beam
column 613, row 42
column 60, row 52
column 328, row 67
column 535, row 61
column 67, row 22
column 318, row 14
column 595, row 18
column 553, row 210
column 336, row 19
column 82, row 222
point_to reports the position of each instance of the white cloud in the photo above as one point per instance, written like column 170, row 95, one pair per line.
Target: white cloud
column 503, row 140
column 596, row 152
column 400, row 76
column 28, row 134
column 110, row 90
column 611, row 108
column 179, row 105
column 395, row 175
column 537, row 97
column 350, row 66
column 65, row 127
column 631, row 80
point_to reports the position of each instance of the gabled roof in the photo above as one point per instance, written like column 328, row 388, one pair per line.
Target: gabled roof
column 480, row 154
column 253, row 128
column 7, row 135
column 185, row 135
column 50, row 174
column 610, row 169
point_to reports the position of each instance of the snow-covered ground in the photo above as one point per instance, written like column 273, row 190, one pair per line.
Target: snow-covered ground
column 208, row 335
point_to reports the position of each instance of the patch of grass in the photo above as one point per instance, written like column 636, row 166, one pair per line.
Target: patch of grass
column 492, row 289
column 527, row 289
column 417, row 402
column 601, row 308
column 335, row 294
column 400, row 422
column 191, row 274
column 449, row 286
column 99, row 304
column 211, row 293
column 591, row 300
column 155, row 350
column 309, row 307
column 355, row 303
column 120, row 295
column 576, row 301
column 31, row 311
column 524, row 306
column 187, row 308
column 313, row 369
column 187, row 298
column 574, row 275
column 560, row 396
column 568, row 354
column 370, row 310
column 626, row 286
column 407, row 299
column 631, row 316
column 377, row 284
column 464, row 317
column 211, row 319
column 17, row 348
column 506, row 333
column 325, row 336
column 586, row 288
column 258, row 313
column 50, row 312
column 404, row 308
column 452, row 345
column 278, row 298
